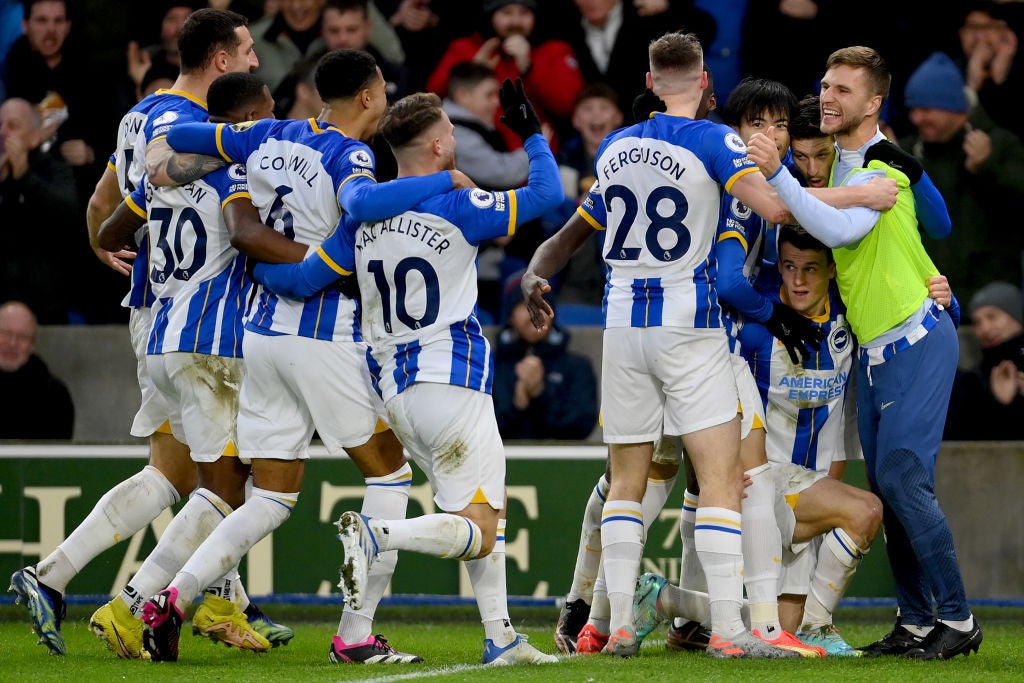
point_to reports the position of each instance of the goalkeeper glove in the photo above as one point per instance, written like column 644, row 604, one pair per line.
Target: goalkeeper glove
column 795, row 332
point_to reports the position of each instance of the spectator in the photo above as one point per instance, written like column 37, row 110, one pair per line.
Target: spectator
column 987, row 403
column 979, row 169
column 296, row 97
column 39, row 405
column 541, row 389
column 610, row 39
column 285, row 38
column 472, row 104
column 425, row 29
column 45, row 65
column 159, row 76
column 483, row 156
column 38, row 216
column 991, row 61
column 509, row 46
column 164, row 54
column 347, row 24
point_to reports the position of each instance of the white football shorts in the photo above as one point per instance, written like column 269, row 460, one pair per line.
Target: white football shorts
column 668, row 450
column 671, row 380
column 452, row 435
column 203, row 392
column 154, row 409
column 295, row 385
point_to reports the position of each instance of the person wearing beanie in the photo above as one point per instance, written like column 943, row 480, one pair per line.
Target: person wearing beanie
column 937, row 84
column 987, row 403
column 508, row 44
column 977, row 167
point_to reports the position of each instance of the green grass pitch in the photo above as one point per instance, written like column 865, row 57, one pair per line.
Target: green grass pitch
column 451, row 640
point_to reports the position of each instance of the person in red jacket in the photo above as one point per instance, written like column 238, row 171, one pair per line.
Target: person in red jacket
column 512, row 52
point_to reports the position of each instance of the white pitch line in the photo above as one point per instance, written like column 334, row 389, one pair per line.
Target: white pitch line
column 460, row 668
column 443, row 671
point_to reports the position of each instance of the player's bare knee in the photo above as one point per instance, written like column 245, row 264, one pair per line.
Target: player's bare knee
column 226, row 477
column 869, row 518
column 171, row 458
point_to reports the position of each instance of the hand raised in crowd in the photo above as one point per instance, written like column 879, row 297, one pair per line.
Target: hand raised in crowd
column 139, row 62
column 1004, row 50
column 529, row 381
column 799, row 9
column 1006, row 382
column 414, row 15
column 77, row 152
column 14, row 162
column 977, row 149
column 649, row 8
column 489, row 53
column 518, row 48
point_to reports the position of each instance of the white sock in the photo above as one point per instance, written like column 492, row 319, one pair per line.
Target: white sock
column 622, row 529
column 658, row 491
column 264, row 512
column 681, row 603
column 838, row 559
column 122, row 511
column 238, row 594
column 600, row 609
column 487, row 575
column 965, row 625
column 762, row 552
column 717, row 536
column 442, row 534
column 189, row 528
column 691, row 574
column 588, row 557
column 386, row 497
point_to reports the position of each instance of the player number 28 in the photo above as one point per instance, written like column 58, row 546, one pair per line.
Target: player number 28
column 657, row 223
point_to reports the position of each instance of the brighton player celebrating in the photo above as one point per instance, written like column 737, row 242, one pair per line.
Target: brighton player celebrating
column 418, row 282
column 301, row 176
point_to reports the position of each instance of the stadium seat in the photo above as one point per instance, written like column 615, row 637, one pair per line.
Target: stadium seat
column 578, row 314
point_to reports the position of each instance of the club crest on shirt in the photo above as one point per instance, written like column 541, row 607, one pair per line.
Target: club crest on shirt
column 735, row 143
column 482, row 199
column 838, row 339
column 360, row 157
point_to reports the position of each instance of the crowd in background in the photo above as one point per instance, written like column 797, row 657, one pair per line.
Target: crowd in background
column 69, row 70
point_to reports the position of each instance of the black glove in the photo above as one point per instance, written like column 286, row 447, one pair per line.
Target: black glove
column 893, row 156
column 645, row 104
column 795, row 331
column 520, row 115
column 349, row 286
